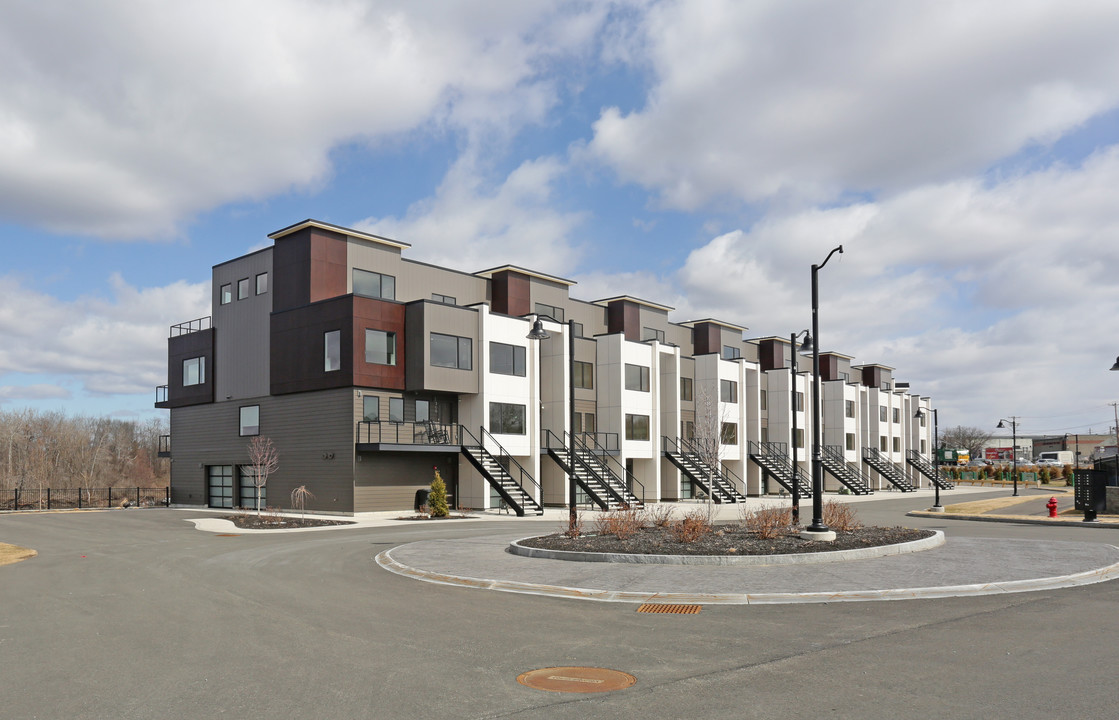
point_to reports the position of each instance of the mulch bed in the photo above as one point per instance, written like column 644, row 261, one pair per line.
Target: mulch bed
column 726, row 540
column 272, row 522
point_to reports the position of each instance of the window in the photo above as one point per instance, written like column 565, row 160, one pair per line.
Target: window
column 380, row 347
column 849, row 409
column 764, row 397
column 451, row 351
column 923, row 447
column 637, row 427
column 897, row 415
column 883, row 443
column 728, row 433
column 687, row 429
column 882, row 413
column 800, row 402
column 578, row 329
column 584, row 423
column 261, row 283
column 652, row 334
column 886, row 387
column 731, row 353
column 507, row 419
column 897, row 444
column 850, row 441
column 250, row 420
column 584, row 375
column 765, row 434
column 194, row 371
column 551, row 311
column 423, row 410
column 507, row 359
column 444, row 299
column 332, row 350
column 845, row 377
column 371, row 408
column 242, row 288
column 637, row 378
column 798, row 438
column 396, row 410
column 728, row 391
column 374, row 285
column 226, row 294
column 687, row 389
column 921, row 419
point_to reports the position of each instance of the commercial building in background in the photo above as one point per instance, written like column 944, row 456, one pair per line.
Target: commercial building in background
column 369, row 371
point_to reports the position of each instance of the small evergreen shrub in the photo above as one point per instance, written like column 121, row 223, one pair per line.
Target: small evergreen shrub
column 437, row 497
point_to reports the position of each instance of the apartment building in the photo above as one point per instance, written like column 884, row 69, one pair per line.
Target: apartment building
column 369, row 371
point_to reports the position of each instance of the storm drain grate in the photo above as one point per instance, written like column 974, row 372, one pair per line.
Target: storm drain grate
column 227, row 535
column 670, row 609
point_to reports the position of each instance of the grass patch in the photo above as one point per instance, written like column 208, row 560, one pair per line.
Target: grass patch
column 978, row 507
column 14, row 553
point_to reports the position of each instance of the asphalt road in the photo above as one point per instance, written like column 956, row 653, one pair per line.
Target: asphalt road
column 136, row 614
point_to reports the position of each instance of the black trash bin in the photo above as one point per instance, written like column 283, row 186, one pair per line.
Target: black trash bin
column 421, row 499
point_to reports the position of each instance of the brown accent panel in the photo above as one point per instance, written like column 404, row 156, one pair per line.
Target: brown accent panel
column 511, row 293
column 872, row 376
column 707, row 338
column 772, row 354
column 296, row 348
column 185, row 347
column 328, row 264
column 373, row 314
column 829, row 367
column 623, row 316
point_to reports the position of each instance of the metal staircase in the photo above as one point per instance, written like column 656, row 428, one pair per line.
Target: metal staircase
column 773, row 459
column 927, row 469
column 836, row 463
column 887, row 469
column 598, row 481
column 721, row 485
column 498, row 471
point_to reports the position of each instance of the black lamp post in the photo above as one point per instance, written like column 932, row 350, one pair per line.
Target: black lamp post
column 538, row 333
column 1014, row 447
column 817, row 530
column 936, row 455
column 793, row 411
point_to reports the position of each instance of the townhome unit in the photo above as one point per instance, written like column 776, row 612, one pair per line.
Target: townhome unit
column 370, row 371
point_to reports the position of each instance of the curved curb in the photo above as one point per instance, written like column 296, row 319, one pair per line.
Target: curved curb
column 221, row 525
column 1087, row 577
column 936, row 540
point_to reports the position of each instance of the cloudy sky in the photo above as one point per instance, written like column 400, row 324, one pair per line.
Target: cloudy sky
column 701, row 154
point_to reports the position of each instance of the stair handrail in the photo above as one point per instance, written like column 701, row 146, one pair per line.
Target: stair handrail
column 505, row 453
column 626, row 475
column 719, row 468
column 561, row 444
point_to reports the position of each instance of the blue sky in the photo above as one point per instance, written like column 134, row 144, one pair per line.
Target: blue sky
column 699, row 154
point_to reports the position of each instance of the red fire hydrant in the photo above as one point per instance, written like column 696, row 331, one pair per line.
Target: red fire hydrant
column 1052, row 505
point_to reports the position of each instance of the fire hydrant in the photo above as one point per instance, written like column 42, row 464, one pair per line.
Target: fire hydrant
column 1052, row 505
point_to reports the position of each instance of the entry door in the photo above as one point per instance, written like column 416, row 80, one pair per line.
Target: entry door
column 221, row 486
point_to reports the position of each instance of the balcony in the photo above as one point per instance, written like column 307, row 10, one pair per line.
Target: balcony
column 164, row 446
column 415, row 436
column 191, row 326
column 161, row 396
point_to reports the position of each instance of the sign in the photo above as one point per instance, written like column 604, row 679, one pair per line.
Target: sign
column 998, row 453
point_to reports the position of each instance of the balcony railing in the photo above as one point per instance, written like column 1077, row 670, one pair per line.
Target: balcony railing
column 164, row 446
column 407, row 433
column 191, row 326
column 160, row 394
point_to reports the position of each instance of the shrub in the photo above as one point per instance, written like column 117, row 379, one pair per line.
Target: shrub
column 572, row 527
column 695, row 525
column 622, row 524
column 437, row 497
column 659, row 514
column 1043, row 475
column 1067, row 471
column 768, row 522
column 840, row 516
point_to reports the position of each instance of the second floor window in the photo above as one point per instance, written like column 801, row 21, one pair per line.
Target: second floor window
column 374, row 285
column 380, row 347
column 584, row 375
column 451, row 351
column 242, row 288
column 332, row 350
column 850, row 441
column 371, row 408
column 849, row 409
column 250, row 420
column 800, row 402
column 728, row 391
column 637, row 378
column 194, row 371
column 507, row 359
column 507, row 419
column 226, row 294
column 637, row 427
column 687, row 389
column 261, row 283
column 897, row 415
column 728, row 434
column 882, row 413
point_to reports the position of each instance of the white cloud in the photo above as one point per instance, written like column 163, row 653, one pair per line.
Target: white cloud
column 35, row 391
column 114, row 345
column 810, row 101
column 123, row 118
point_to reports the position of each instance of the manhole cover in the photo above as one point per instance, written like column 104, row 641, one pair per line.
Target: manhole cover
column 671, row 609
column 576, row 679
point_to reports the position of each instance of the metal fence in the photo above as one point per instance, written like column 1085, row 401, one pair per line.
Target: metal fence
column 67, row 498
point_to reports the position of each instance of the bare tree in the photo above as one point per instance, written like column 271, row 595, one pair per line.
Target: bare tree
column 264, row 459
column 962, row 436
column 299, row 498
column 710, row 422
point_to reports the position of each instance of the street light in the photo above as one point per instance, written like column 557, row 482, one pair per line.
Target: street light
column 817, row 530
column 806, row 347
column 936, row 456
column 538, row 333
column 1014, row 447
column 1116, row 365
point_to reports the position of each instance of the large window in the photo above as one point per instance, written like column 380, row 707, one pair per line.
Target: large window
column 728, row 391
column 332, row 350
column 371, row 408
column 507, row 359
column 850, row 441
column 849, row 408
column 242, row 288
column 728, row 434
column 687, row 389
column 556, row 313
column 396, row 409
column 637, row 378
column 250, row 420
column 637, row 427
column 194, row 371
column 451, row 351
column 507, row 419
column 374, row 285
column 584, row 375
column 731, row 353
column 380, row 347
column 584, row 423
column 652, row 334
column 262, row 283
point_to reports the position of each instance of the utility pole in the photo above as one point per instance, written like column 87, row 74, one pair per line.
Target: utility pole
column 1115, row 407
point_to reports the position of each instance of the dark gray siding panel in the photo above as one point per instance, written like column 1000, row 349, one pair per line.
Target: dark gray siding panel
column 313, row 432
